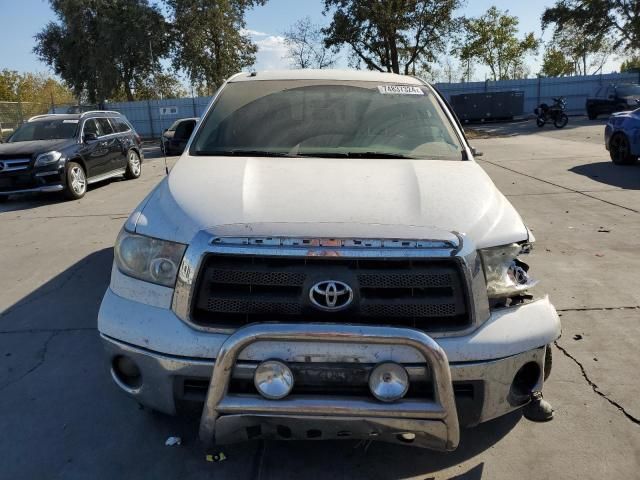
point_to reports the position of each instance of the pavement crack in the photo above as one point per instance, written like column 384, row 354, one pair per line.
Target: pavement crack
column 595, row 387
column 561, row 186
column 596, row 309
column 42, row 353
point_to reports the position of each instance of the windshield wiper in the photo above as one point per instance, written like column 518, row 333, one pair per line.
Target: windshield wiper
column 245, row 153
column 382, row 155
column 377, row 155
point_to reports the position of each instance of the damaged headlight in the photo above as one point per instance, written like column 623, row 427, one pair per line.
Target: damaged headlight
column 506, row 275
column 147, row 258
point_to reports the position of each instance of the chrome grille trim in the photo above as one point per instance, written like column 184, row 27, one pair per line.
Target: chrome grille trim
column 14, row 165
column 204, row 243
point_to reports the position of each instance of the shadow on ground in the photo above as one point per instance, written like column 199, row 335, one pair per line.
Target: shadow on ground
column 525, row 127
column 28, row 201
column 622, row 176
column 61, row 416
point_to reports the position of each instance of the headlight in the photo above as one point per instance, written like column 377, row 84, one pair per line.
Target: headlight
column 506, row 275
column 147, row 258
column 47, row 158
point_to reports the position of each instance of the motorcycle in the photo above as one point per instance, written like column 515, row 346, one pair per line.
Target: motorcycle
column 545, row 113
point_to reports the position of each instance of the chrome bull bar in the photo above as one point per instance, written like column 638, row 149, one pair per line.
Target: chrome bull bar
column 439, row 411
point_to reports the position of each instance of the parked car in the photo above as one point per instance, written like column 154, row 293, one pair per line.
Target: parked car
column 622, row 137
column 301, row 272
column 67, row 152
column 175, row 138
column 613, row 98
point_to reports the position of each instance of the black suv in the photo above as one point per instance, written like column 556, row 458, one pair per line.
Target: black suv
column 53, row 153
column 613, row 98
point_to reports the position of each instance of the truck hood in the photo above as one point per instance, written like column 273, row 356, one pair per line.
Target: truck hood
column 33, row 147
column 327, row 198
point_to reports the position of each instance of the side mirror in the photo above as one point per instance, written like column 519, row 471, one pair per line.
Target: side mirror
column 90, row 137
column 476, row 153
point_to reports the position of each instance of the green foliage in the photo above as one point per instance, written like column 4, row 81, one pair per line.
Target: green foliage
column 556, row 64
column 99, row 47
column 393, row 35
column 598, row 18
column 30, row 87
column 305, row 46
column 209, row 39
column 492, row 40
column 631, row 64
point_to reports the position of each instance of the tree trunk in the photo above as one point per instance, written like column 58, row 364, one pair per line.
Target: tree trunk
column 393, row 50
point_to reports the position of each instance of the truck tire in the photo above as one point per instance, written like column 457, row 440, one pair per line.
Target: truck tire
column 548, row 361
column 620, row 150
column 591, row 114
column 4, row 198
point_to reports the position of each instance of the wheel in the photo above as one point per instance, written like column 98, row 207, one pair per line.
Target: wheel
column 620, row 150
column 592, row 114
column 561, row 120
column 540, row 122
column 548, row 361
column 4, row 198
column 76, row 181
column 134, row 165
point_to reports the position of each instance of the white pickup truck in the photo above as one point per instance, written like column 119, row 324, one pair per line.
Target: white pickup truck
column 327, row 261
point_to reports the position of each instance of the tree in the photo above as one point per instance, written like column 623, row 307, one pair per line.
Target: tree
column 30, row 87
column 555, row 63
column 631, row 65
column 391, row 36
column 586, row 51
column 210, row 39
column 492, row 40
column 305, row 47
column 101, row 46
column 617, row 18
column 159, row 86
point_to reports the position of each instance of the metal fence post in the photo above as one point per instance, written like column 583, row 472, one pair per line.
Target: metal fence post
column 150, row 118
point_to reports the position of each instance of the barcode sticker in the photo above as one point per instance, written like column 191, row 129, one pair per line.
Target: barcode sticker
column 400, row 90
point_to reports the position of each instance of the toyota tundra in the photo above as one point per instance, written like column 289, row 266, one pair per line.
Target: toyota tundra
column 328, row 261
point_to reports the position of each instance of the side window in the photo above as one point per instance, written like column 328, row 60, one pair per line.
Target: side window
column 609, row 92
column 105, row 126
column 599, row 92
column 121, row 125
column 90, row 126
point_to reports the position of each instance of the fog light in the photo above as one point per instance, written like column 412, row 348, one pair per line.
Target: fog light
column 127, row 371
column 273, row 379
column 389, row 382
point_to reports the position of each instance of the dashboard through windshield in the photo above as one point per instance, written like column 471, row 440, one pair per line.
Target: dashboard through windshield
column 327, row 118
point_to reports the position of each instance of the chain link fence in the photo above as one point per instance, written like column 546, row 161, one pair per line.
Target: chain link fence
column 14, row 114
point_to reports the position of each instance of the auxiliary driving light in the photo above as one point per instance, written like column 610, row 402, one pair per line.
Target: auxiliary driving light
column 273, row 379
column 389, row 382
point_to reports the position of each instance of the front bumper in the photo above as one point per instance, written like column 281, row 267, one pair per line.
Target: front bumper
column 231, row 417
column 41, row 181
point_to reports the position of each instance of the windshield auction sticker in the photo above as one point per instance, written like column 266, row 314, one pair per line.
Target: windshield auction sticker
column 400, row 90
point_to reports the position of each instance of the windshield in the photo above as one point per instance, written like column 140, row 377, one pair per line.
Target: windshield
column 629, row 90
column 327, row 118
column 45, row 130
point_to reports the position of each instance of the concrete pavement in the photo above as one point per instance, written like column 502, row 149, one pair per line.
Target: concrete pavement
column 61, row 416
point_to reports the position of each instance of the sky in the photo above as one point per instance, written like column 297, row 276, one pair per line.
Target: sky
column 266, row 24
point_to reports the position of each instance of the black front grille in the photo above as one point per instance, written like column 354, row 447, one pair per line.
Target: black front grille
column 236, row 290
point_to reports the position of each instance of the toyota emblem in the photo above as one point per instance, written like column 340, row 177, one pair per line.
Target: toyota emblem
column 331, row 295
